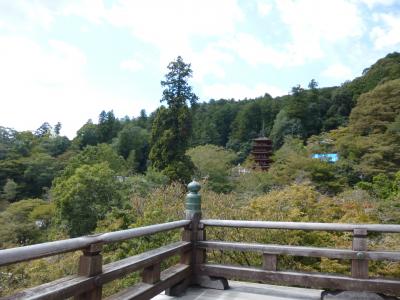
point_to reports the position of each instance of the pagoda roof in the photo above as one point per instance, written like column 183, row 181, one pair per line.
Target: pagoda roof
column 261, row 139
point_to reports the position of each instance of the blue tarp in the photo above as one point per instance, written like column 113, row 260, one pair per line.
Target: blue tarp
column 330, row 157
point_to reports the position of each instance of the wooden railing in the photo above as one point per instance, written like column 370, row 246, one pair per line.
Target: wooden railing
column 92, row 274
column 193, row 267
column 359, row 256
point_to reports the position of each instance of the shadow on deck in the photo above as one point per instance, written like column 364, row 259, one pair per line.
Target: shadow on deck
column 245, row 290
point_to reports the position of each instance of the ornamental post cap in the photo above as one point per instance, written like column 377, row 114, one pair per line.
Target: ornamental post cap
column 194, row 187
column 360, row 255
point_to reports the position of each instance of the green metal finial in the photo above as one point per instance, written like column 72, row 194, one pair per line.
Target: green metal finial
column 193, row 199
column 194, row 187
column 360, row 255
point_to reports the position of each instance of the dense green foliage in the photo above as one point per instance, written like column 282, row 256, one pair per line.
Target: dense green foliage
column 124, row 173
column 172, row 126
column 214, row 164
column 85, row 197
column 24, row 222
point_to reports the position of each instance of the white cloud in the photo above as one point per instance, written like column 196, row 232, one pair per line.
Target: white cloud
column 169, row 25
column 131, row 64
column 18, row 14
column 92, row 10
column 49, row 83
column 313, row 23
column 210, row 62
column 240, row 91
column 388, row 33
column 264, row 7
column 373, row 3
column 338, row 71
column 330, row 20
column 254, row 51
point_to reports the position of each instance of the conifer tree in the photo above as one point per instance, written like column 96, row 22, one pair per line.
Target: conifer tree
column 172, row 125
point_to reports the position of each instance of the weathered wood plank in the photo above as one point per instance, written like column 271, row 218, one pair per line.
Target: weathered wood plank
column 151, row 274
column 131, row 264
column 359, row 267
column 186, row 256
column 300, row 250
column 58, row 289
column 270, row 262
column 311, row 280
column 14, row 255
column 72, row 285
column 302, row 225
column 144, row 291
column 90, row 264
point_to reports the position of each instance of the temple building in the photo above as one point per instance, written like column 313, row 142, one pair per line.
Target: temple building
column 262, row 151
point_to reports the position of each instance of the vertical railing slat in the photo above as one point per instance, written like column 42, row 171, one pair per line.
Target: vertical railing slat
column 270, row 262
column 91, row 264
column 359, row 266
column 151, row 274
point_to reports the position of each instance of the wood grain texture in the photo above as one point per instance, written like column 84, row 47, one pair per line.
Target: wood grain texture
column 73, row 285
column 302, row 225
column 145, row 291
column 359, row 267
column 300, row 250
column 134, row 263
column 151, row 274
column 270, row 262
column 311, row 280
column 14, row 255
column 90, row 264
column 58, row 289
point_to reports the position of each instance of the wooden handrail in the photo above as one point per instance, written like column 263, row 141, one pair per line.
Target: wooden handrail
column 69, row 286
column 300, row 250
column 359, row 256
column 384, row 228
column 14, row 255
column 193, row 266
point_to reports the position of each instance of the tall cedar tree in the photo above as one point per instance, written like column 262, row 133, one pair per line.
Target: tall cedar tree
column 172, row 125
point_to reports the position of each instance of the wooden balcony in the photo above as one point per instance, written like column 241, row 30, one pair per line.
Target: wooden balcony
column 193, row 268
column 247, row 290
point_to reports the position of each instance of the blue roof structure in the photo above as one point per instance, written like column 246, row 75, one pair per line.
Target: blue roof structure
column 329, row 157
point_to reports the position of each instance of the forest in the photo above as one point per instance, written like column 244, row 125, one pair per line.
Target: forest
column 125, row 173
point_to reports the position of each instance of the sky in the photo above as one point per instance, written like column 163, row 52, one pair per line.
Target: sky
column 66, row 61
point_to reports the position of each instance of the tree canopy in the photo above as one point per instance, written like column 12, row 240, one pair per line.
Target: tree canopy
column 172, row 126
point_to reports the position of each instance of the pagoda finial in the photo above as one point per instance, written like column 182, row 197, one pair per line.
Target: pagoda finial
column 262, row 132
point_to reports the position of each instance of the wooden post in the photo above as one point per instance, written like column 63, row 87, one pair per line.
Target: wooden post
column 193, row 213
column 270, row 261
column 199, row 256
column 90, row 264
column 196, row 256
column 359, row 266
column 151, row 274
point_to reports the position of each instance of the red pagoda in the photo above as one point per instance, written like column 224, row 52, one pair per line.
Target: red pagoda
column 262, row 151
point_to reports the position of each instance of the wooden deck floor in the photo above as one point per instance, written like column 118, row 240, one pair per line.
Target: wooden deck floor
column 248, row 291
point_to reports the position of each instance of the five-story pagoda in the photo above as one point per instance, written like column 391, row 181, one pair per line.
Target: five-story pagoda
column 262, row 151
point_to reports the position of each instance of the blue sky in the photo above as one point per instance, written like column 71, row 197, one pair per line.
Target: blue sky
column 68, row 60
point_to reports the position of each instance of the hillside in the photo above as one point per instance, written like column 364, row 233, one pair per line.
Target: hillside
column 54, row 188
column 29, row 161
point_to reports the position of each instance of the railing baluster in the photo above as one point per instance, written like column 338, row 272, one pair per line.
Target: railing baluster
column 200, row 254
column 91, row 264
column 151, row 274
column 270, row 261
column 186, row 256
column 359, row 266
